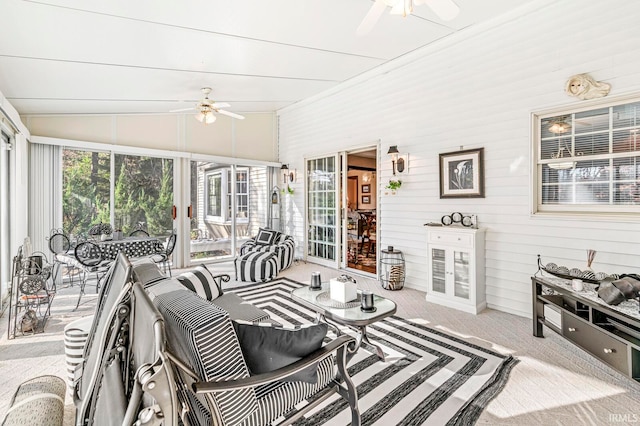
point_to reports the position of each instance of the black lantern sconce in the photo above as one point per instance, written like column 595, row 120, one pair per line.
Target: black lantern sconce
column 287, row 175
column 398, row 162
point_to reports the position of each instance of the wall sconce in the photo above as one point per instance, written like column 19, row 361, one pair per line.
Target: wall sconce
column 398, row 162
column 287, row 175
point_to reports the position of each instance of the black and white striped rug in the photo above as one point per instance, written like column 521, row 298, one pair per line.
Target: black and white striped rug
column 429, row 377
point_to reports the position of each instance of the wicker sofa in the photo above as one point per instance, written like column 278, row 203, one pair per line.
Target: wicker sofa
column 161, row 351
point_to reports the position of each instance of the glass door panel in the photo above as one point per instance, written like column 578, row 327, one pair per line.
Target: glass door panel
column 143, row 195
column 322, row 212
column 438, row 270
column 252, row 202
column 86, row 190
column 461, row 273
column 228, row 206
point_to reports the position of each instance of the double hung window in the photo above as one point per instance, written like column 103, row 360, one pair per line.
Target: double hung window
column 219, row 192
column 588, row 161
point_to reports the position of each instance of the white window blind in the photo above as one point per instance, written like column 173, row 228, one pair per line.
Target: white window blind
column 589, row 161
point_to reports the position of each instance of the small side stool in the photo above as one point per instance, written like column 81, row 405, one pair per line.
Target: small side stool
column 256, row 266
column 75, row 338
column 37, row 402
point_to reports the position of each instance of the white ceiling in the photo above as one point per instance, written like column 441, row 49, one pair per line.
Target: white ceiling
column 153, row 56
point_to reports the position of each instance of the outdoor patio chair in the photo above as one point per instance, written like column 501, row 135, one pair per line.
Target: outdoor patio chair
column 90, row 259
column 104, row 341
column 60, row 247
column 139, row 233
column 165, row 256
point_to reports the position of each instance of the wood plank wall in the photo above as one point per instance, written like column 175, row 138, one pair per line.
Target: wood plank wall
column 475, row 90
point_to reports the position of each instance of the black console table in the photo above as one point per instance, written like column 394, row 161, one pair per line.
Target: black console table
column 610, row 333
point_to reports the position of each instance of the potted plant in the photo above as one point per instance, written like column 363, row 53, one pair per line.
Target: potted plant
column 393, row 185
column 288, row 189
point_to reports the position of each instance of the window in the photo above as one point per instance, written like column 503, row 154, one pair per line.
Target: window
column 589, row 161
column 214, row 195
column 219, row 192
column 140, row 187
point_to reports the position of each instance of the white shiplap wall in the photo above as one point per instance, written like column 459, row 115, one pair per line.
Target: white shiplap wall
column 478, row 89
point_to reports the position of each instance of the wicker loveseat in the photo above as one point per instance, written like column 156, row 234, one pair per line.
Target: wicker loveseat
column 159, row 352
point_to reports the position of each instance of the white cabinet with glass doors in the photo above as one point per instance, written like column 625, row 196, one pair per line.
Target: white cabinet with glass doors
column 456, row 268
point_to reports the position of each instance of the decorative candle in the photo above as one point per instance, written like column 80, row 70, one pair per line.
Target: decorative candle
column 367, row 300
column 316, row 281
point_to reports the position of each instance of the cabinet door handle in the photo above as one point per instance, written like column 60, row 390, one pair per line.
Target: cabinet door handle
column 608, row 351
column 459, row 238
column 572, row 329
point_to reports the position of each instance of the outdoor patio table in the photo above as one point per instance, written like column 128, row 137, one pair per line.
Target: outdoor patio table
column 131, row 246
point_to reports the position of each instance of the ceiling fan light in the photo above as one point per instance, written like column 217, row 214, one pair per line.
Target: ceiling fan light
column 402, row 7
column 209, row 118
column 200, row 116
column 559, row 127
column 445, row 9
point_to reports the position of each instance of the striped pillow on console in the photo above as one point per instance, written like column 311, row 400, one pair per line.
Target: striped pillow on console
column 201, row 281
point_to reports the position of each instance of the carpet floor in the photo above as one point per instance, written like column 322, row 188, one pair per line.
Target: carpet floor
column 428, row 377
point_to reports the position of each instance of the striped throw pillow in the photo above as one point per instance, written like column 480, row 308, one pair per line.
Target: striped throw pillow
column 201, row 281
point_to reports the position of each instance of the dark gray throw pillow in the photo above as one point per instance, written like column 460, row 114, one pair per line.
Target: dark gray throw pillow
column 267, row 347
column 267, row 237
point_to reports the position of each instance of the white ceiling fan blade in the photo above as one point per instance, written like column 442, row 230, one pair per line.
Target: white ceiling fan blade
column 220, row 105
column 231, row 114
column 182, row 109
column 372, row 16
column 445, row 9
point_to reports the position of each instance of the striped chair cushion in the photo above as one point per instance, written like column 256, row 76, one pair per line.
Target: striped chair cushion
column 208, row 344
column 284, row 248
column 278, row 398
column 286, row 251
column 201, row 281
column 256, row 266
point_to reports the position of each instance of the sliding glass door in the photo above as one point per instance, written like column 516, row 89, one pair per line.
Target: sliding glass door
column 228, row 206
column 322, row 211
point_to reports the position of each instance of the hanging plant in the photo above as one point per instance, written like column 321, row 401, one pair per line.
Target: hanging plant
column 288, row 189
column 394, row 184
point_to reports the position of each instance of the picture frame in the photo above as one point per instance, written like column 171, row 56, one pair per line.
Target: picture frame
column 366, row 199
column 366, row 188
column 462, row 174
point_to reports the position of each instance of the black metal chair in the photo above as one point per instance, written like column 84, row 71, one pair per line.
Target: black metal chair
column 60, row 247
column 90, row 258
column 139, row 233
column 165, row 256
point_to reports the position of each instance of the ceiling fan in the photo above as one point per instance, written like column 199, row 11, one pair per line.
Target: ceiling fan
column 444, row 9
column 207, row 108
